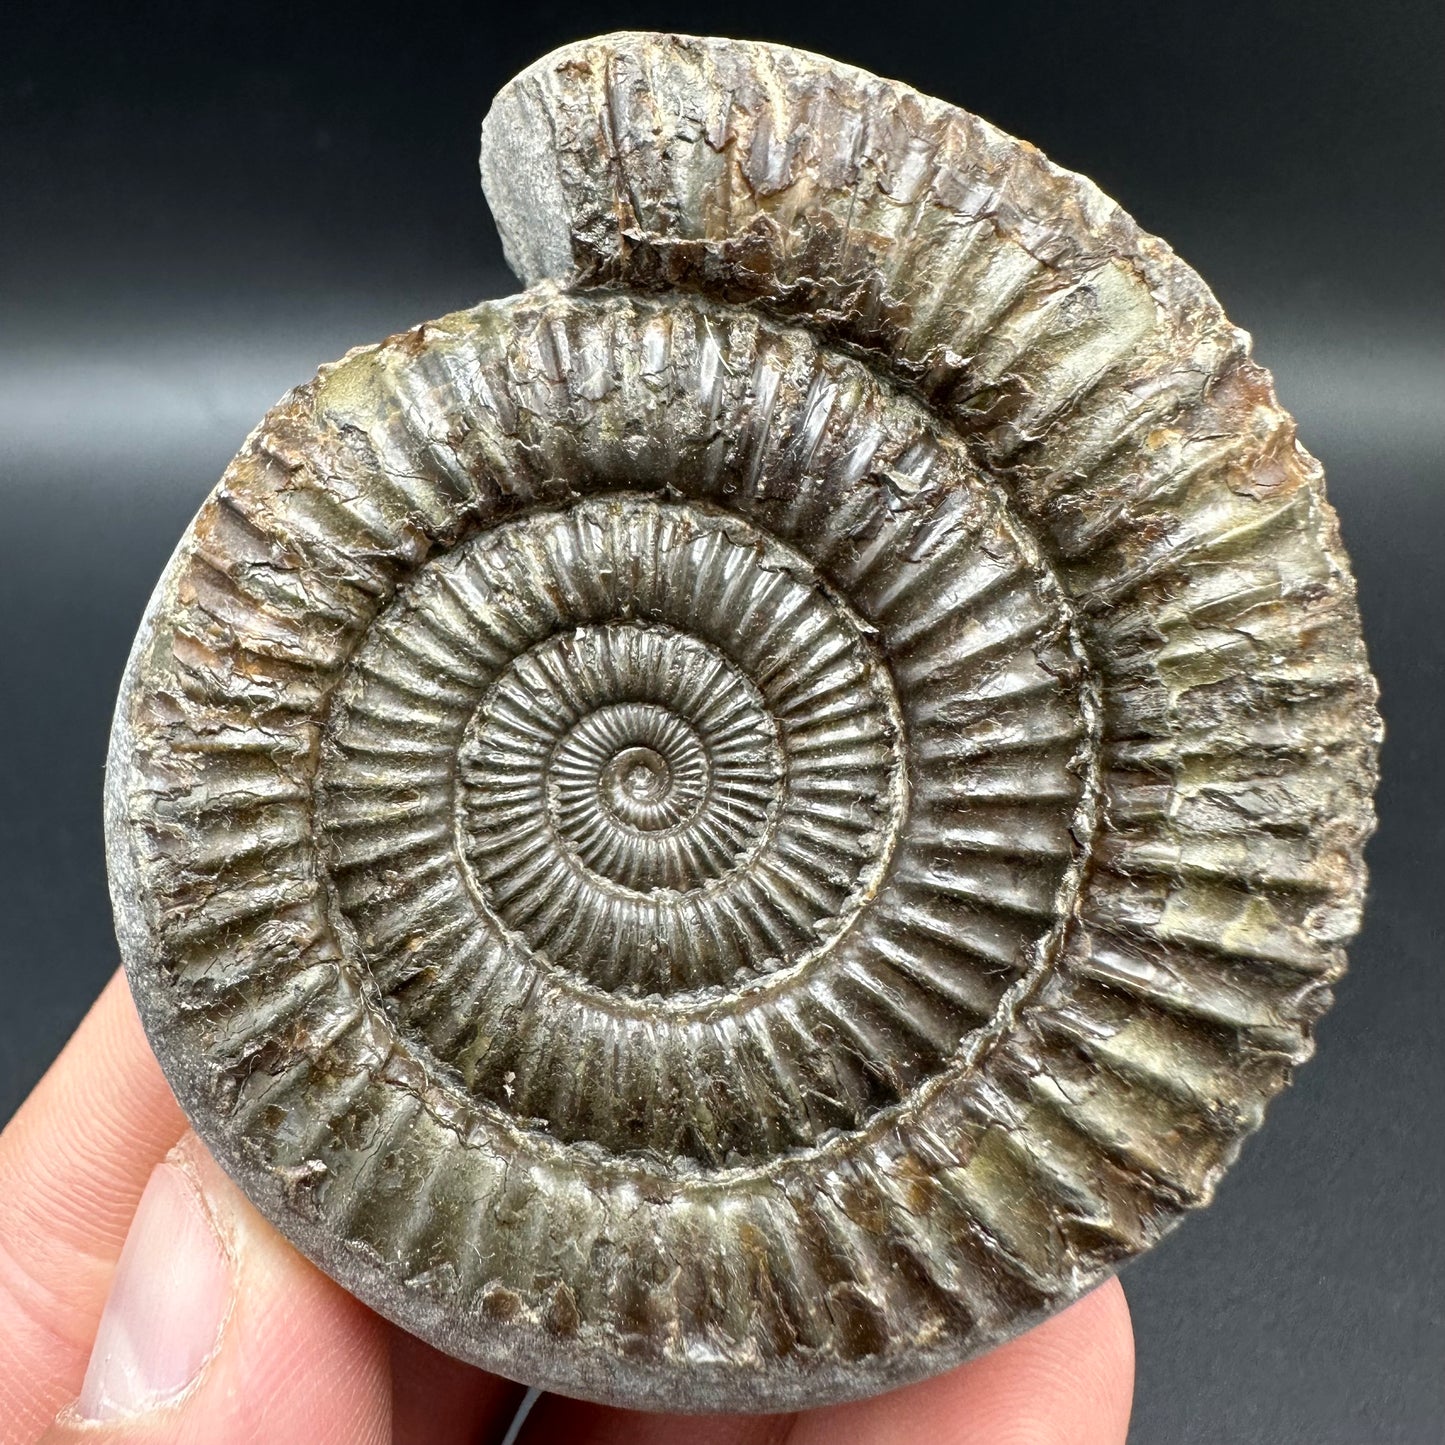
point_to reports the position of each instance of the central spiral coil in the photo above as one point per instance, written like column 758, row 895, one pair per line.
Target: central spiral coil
column 645, row 771
column 636, row 760
column 694, row 792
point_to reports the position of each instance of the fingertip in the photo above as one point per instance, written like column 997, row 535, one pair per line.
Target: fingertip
column 218, row 1333
column 1068, row 1381
column 1103, row 1317
column 168, row 1301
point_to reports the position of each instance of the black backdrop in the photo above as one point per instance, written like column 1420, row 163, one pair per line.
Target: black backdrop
column 200, row 203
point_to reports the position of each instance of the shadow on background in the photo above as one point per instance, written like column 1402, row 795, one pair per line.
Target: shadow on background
column 197, row 210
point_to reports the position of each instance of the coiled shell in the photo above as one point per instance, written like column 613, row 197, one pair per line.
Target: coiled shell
column 736, row 828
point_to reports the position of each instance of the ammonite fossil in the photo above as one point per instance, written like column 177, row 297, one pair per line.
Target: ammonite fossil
column 740, row 826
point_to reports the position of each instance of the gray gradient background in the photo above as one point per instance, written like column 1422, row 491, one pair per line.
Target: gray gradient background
column 199, row 204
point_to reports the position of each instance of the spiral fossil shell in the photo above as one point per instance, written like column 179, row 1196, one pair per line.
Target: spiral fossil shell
column 735, row 828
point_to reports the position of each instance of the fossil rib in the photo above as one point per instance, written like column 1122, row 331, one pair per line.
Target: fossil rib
column 738, row 827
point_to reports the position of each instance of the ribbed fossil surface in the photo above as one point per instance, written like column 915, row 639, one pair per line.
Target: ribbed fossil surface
column 736, row 828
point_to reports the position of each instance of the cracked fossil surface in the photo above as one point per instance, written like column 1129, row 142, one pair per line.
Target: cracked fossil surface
column 736, row 828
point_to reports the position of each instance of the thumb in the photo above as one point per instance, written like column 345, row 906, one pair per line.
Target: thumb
column 216, row 1332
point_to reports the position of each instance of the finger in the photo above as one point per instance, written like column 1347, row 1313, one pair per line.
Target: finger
column 1068, row 1381
column 216, row 1332
column 554, row 1418
column 73, row 1164
column 437, row 1400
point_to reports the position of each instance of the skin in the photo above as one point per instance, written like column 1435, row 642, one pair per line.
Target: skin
column 297, row 1361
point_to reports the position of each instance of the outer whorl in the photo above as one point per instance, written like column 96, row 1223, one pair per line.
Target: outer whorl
column 736, row 828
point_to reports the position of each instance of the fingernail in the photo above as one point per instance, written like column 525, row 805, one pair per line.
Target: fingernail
column 167, row 1303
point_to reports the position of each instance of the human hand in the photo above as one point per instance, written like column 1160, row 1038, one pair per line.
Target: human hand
column 145, row 1300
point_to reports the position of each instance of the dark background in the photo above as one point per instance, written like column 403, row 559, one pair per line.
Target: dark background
column 200, row 203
